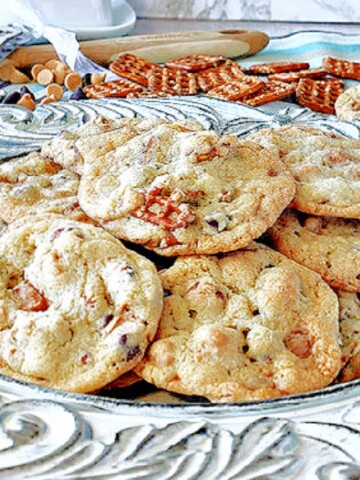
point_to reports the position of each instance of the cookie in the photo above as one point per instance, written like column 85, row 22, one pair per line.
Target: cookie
column 329, row 246
column 247, row 326
column 347, row 105
column 32, row 185
column 179, row 191
column 62, row 149
column 350, row 331
column 326, row 168
column 78, row 309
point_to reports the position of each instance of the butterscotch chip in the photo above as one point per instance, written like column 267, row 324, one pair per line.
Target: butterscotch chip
column 27, row 101
column 133, row 68
column 195, row 63
column 350, row 331
column 296, row 76
column 54, row 90
column 270, row 92
column 329, row 246
column 48, row 99
column 278, row 67
column 319, row 95
column 244, row 327
column 60, row 71
column 97, row 78
column 172, row 81
column 52, row 64
column 36, row 69
column 117, row 88
column 178, row 190
column 18, row 77
column 80, row 308
column 347, row 105
column 243, row 87
column 45, row 77
column 73, row 81
column 213, row 77
column 342, row 68
column 325, row 166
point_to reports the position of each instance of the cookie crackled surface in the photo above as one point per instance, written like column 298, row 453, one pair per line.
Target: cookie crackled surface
column 77, row 308
column 249, row 325
column 180, row 190
column 325, row 166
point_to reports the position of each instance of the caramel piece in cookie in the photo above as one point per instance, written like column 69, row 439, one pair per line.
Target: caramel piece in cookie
column 328, row 245
column 77, row 308
column 250, row 325
column 179, row 190
column 326, row 168
column 32, row 185
column 347, row 105
column 350, row 331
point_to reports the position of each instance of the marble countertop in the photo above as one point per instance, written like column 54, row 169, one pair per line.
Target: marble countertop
column 157, row 25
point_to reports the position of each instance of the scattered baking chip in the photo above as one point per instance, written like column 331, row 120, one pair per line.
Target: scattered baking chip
column 270, row 92
column 36, row 69
column 133, row 68
column 213, row 77
column 48, row 99
column 236, row 90
column 296, row 76
column 27, row 102
column 72, row 81
column 18, row 77
column 278, row 67
column 319, row 95
column 117, row 88
column 45, row 77
column 172, row 81
column 55, row 90
column 342, row 68
column 195, row 63
column 97, row 78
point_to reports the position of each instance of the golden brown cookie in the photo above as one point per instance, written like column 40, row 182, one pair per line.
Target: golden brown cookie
column 329, row 246
column 350, row 330
column 32, row 185
column 347, row 106
column 246, row 326
column 77, row 308
column 179, row 191
column 325, row 166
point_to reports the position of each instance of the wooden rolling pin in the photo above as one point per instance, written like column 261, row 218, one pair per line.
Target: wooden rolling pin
column 157, row 48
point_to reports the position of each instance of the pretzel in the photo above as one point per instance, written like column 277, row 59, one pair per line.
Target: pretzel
column 147, row 94
column 166, row 212
column 236, row 90
column 319, row 95
column 270, row 92
column 342, row 68
column 213, row 77
column 296, row 76
column 117, row 88
column 133, row 68
column 278, row 67
column 172, row 81
column 195, row 63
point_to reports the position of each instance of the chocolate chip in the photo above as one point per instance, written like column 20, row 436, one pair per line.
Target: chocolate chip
column 167, row 293
column 192, row 313
column 56, row 234
column 12, row 98
column 220, row 294
column 270, row 265
column 25, row 91
column 213, row 223
column 256, row 312
column 245, row 348
column 133, row 352
column 107, row 319
column 78, row 95
column 123, row 339
column 86, row 79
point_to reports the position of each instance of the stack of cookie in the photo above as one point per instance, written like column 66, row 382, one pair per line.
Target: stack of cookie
column 235, row 320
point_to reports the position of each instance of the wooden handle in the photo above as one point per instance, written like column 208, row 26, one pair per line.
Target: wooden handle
column 101, row 51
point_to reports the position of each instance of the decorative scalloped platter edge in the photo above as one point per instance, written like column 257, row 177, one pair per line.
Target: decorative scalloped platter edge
column 45, row 434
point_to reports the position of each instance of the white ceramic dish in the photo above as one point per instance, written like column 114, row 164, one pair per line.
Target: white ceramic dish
column 146, row 433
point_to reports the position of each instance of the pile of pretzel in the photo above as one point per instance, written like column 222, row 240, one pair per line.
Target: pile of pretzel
column 223, row 78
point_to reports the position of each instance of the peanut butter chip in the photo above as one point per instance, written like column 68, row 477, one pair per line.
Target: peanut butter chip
column 27, row 102
column 73, row 81
column 36, row 69
column 45, row 77
column 54, row 90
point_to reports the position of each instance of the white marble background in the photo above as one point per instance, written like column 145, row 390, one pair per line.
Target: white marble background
column 293, row 10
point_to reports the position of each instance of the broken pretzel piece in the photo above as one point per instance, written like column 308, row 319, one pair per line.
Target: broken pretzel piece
column 117, row 88
column 213, row 77
column 278, row 67
column 133, row 68
column 342, row 68
column 171, row 81
column 195, row 63
column 270, row 92
column 288, row 77
column 236, row 90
